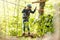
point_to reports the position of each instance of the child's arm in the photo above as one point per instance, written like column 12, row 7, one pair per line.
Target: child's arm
column 33, row 11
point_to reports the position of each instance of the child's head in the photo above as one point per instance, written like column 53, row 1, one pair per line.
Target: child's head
column 29, row 6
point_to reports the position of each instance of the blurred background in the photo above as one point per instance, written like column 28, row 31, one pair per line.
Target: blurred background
column 11, row 17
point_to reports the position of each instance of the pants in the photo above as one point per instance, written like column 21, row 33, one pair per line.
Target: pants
column 26, row 24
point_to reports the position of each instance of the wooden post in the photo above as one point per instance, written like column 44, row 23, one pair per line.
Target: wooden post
column 41, row 6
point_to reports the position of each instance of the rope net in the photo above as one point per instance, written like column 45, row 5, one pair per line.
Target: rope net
column 11, row 16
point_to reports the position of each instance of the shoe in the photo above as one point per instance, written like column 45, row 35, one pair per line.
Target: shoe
column 29, row 34
column 23, row 34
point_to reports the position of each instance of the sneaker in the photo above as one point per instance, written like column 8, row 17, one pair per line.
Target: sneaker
column 29, row 34
column 23, row 34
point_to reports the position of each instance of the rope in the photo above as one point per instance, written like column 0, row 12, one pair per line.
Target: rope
column 18, row 1
column 7, row 17
column 16, row 5
column 4, row 13
column 15, row 8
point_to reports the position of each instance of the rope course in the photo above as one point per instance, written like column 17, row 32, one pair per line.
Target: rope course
column 16, row 10
column 5, row 4
column 12, row 18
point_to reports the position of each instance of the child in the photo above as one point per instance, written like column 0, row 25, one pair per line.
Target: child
column 26, row 13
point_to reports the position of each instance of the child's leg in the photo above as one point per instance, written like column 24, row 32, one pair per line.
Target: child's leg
column 24, row 23
column 23, row 26
column 28, row 29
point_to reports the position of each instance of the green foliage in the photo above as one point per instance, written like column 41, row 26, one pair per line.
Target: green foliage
column 13, row 32
column 45, row 25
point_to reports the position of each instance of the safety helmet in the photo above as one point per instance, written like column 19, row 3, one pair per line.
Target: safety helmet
column 29, row 5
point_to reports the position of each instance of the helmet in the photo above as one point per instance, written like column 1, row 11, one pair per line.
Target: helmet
column 29, row 5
